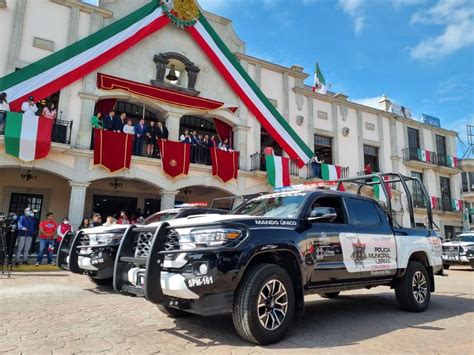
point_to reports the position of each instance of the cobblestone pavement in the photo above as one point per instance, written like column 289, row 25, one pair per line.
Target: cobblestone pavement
column 62, row 313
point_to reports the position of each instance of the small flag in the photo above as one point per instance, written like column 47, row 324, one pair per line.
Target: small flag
column 452, row 161
column 278, row 170
column 378, row 190
column 319, row 81
column 332, row 172
column 457, row 205
column 434, row 202
column 424, row 155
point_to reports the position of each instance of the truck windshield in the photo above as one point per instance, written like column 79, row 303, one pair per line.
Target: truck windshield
column 465, row 238
column 159, row 217
column 282, row 205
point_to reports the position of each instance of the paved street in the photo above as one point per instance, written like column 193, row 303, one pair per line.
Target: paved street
column 57, row 312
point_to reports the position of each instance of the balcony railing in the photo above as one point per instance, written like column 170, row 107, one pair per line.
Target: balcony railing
column 449, row 161
column 421, row 155
column 313, row 170
column 61, row 132
column 258, row 163
column 418, row 201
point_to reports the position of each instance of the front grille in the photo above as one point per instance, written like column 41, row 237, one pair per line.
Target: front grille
column 84, row 239
column 143, row 244
column 172, row 241
column 450, row 249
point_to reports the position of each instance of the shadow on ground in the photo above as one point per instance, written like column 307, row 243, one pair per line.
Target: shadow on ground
column 344, row 321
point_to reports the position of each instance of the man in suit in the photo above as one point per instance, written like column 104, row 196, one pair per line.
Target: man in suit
column 119, row 121
column 162, row 131
column 140, row 132
column 108, row 121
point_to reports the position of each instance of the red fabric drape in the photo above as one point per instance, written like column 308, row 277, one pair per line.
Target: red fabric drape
column 224, row 131
column 112, row 150
column 105, row 106
column 225, row 165
column 175, row 157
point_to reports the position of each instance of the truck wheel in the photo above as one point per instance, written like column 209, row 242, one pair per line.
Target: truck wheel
column 329, row 294
column 172, row 312
column 264, row 305
column 413, row 290
column 100, row 282
column 446, row 266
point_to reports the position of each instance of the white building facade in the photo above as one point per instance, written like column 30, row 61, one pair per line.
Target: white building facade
column 342, row 132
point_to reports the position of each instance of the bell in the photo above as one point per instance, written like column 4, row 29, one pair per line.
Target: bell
column 172, row 74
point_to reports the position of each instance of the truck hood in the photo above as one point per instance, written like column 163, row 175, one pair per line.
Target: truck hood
column 106, row 229
column 251, row 221
column 457, row 243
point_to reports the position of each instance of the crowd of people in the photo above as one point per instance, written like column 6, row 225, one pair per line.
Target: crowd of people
column 21, row 233
column 147, row 135
column 121, row 218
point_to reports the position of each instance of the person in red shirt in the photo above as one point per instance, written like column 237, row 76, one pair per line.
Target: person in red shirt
column 47, row 232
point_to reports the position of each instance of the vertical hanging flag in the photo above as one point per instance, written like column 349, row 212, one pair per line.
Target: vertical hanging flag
column 27, row 137
column 319, row 81
column 112, row 150
column 453, row 162
column 378, row 190
column 278, row 170
column 225, row 165
column 457, row 205
column 175, row 157
column 434, row 202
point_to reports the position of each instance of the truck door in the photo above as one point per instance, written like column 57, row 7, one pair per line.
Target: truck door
column 369, row 248
column 323, row 252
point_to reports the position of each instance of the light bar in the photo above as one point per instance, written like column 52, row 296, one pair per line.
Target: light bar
column 192, row 204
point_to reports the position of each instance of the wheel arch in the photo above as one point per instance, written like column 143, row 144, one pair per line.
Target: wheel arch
column 422, row 257
column 286, row 259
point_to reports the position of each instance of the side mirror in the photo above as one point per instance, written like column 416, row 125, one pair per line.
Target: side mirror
column 323, row 214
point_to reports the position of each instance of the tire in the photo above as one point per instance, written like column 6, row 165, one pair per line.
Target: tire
column 329, row 294
column 172, row 312
column 264, row 281
column 101, row 282
column 416, row 280
column 446, row 266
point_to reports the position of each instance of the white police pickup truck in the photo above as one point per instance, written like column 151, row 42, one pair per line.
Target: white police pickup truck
column 459, row 250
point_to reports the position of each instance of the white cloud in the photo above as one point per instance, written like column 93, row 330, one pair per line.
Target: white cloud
column 397, row 4
column 457, row 18
column 369, row 101
column 354, row 8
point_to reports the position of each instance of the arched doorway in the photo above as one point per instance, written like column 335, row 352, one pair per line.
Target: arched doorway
column 205, row 194
column 109, row 196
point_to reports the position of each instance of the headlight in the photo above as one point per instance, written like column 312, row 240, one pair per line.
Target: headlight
column 104, row 239
column 201, row 238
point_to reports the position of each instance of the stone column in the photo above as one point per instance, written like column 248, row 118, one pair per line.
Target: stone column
column 15, row 39
column 82, row 133
column 172, row 123
column 240, row 144
column 168, row 199
column 77, row 202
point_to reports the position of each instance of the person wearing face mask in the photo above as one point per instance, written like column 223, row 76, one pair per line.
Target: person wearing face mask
column 63, row 229
column 11, row 232
column 123, row 218
column 26, row 231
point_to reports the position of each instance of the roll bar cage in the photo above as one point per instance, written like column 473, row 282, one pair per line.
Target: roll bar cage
column 388, row 178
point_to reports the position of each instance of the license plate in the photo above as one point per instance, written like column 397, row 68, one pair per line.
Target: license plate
column 200, row 281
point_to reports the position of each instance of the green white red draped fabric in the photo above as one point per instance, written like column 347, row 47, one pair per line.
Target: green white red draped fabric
column 27, row 137
column 434, row 202
column 278, row 170
column 424, row 155
column 378, row 190
column 62, row 68
column 457, row 205
column 453, row 162
column 332, row 172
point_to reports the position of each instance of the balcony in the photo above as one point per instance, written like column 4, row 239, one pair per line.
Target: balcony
column 448, row 164
column 61, row 132
column 258, row 163
column 420, row 158
column 445, row 204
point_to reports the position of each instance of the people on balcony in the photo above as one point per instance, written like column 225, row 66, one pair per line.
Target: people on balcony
column 162, row 131
column 128, row 128
column 96, row 121
column 4, row 108
column 29, row 107
column 225, row 145
column 49, row 111
column 119, row 122
column 108, row 121
column 185, row 137
column 150, row 139
column 140, row 132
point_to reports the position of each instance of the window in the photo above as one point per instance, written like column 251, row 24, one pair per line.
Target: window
column 334, row 202
column 364, row 213
column 18, row 203
column 417, row 192
column 133, row 110
column 471, row 181
column 441, row 150
column 465, row 183
column 413, row 138
column 445, row 187
column 323, row 148
column 371, row 157
column 266, row 140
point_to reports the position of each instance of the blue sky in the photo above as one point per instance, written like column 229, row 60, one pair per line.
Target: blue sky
column 420, row 53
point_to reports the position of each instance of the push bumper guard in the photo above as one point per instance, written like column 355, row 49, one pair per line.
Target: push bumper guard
column 128, row 258
column 67, row 252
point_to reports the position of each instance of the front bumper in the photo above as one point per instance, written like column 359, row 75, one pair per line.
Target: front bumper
column 174, row 278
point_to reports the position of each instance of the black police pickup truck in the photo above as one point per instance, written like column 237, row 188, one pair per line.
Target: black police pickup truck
column 259, row 262
column 92, row 251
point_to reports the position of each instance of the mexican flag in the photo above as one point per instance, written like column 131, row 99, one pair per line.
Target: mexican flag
column 434, row 202
column 319, row 81
column 457, row 205
column 27, row 137
column 278, row 170
column 332, row 172
column 378, row 190
column 424, row 155
column 452, row 161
